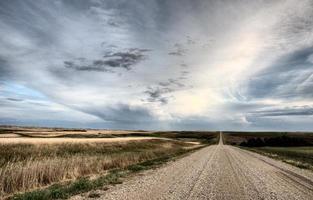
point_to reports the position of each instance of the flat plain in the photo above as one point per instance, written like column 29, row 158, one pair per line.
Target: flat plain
column 43, row 163
column 34, row 161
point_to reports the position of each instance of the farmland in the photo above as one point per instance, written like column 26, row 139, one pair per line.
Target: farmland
column 43, row 163
column 31, row 159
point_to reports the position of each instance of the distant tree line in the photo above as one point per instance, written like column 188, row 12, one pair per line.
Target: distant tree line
column 282, row 141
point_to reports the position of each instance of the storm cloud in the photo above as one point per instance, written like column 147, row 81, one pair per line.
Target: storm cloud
column 176, row 64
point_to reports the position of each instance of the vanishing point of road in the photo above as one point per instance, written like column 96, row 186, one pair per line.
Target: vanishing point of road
column 218, row 172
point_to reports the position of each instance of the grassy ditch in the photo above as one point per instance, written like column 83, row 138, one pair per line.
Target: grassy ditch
column 295, row 148
column 298, row 156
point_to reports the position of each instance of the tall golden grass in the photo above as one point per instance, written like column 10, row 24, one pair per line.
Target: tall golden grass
column 28, row 166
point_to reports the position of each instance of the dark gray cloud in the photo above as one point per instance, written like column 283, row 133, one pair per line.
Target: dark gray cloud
column 81, row 67
column 244, row 106
column 296, row 60
column 125, row 59
column 289, row 111
column 4, row 69
column 175, row 83
column 178, row 50
column 160, row 92
column 288, row 77
column 183, row 73
column 157, row 94
column 183, row 65
column 190, row 40
column 121, row 113
column 15, row 99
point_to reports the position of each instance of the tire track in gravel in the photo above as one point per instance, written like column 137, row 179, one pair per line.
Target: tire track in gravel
column 199, row 174
column 294, row 176
column 273, row 182
column 173, row 181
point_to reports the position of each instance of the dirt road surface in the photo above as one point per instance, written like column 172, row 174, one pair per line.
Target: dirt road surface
column 218, row 172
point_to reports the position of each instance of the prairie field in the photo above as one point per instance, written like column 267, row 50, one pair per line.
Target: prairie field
column 30, row 162
column 38, row 132
column 12, row 140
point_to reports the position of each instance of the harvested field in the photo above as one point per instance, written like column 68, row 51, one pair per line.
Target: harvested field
column 9, row 135
column 60, row 132
column 9, row 140
column 25, row 166
column 32, row 158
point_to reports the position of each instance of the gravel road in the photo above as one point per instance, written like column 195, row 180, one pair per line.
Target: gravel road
column 218, row 172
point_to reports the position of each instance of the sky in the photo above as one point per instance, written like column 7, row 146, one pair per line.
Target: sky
column 157, row 64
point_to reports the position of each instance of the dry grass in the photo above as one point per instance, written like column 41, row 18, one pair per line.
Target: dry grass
column 32, row 158
column 26, row 166
column 9, row 135
column 10, row 140
column 6, row 131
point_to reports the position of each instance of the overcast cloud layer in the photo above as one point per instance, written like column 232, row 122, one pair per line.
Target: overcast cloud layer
column 157, row 64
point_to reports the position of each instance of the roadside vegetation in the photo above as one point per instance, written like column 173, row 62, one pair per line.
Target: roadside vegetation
column 292, row 148
column 58, row 170
column 27, row 166
column 281, row 141
column 101, row 182
column 298, row 156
